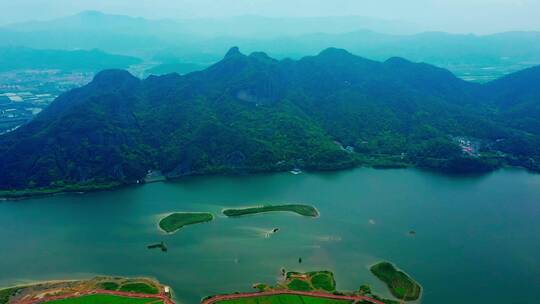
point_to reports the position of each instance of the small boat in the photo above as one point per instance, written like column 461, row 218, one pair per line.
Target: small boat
column 161, row 245
column 296, row 171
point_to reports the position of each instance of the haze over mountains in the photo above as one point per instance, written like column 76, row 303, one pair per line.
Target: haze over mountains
column 255, row 113
column 239, row 26
column 20, row 58
column 203, row 41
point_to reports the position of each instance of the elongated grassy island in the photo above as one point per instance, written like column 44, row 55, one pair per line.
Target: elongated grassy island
column 175, row 221
column 400, row 284
column 304, row 210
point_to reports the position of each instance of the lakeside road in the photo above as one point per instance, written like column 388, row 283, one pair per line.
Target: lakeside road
column 161, row 296
column 219, row 298
column 212, row 300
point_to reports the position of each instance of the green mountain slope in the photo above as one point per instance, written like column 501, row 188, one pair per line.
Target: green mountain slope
column 254, row 113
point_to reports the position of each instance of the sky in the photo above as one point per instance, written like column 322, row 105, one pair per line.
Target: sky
column 463, row 16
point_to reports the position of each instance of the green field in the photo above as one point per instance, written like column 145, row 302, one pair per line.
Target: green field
column 175, row 221
column 400, row 284
column 315, row 280
column 324, row 281
column 284, row 299
column 299, row 285
column 304, row 210
column 109, row 285
column 139, row 288
column 105, row 299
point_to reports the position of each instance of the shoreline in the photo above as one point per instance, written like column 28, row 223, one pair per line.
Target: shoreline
column 39, row 283
column 46, row 192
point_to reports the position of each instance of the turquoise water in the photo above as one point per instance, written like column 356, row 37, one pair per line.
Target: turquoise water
column 477, row 238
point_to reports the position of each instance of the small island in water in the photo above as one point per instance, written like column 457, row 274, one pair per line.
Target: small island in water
column 400, row 284
column 175, row 221
column 304, row 210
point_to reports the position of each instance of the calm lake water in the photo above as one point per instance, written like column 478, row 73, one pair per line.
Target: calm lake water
column 477, row 238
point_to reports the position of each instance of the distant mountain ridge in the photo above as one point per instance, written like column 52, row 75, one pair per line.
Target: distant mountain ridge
column 238, row 26
column 17, row 58
column 253, row 113
column 203, row 41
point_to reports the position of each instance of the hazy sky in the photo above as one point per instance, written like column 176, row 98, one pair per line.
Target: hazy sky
column 480, row 16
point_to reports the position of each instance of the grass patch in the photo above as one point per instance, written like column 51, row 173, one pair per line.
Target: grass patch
column 109, row 285
column 323, row 281
column 304, row 210
column 102, row 299
column 299, row 285
column 175, row 221
column 139, row 288
column 284, row 299
column 5, row 294
column 261, row 287
column 400, row 284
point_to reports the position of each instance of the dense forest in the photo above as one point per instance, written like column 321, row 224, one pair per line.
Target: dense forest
column 252, row 113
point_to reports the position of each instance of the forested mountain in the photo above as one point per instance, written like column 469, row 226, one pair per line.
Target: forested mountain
column 15, row 58
column 254, row 113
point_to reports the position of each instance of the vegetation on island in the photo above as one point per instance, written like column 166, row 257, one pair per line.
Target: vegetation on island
column 299, row 285
column 316, row 280
column 304, row 210
column 251, row 113
column 7, row 293
column 129, row 286
column 284, row 299
column 46, row 291
column 139, row 287
column 109, row 286
column 323, row 280
column 175, row 221
column 103, row 298
column 400, row 284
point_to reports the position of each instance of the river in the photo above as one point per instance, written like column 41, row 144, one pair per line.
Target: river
column 477, row 238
